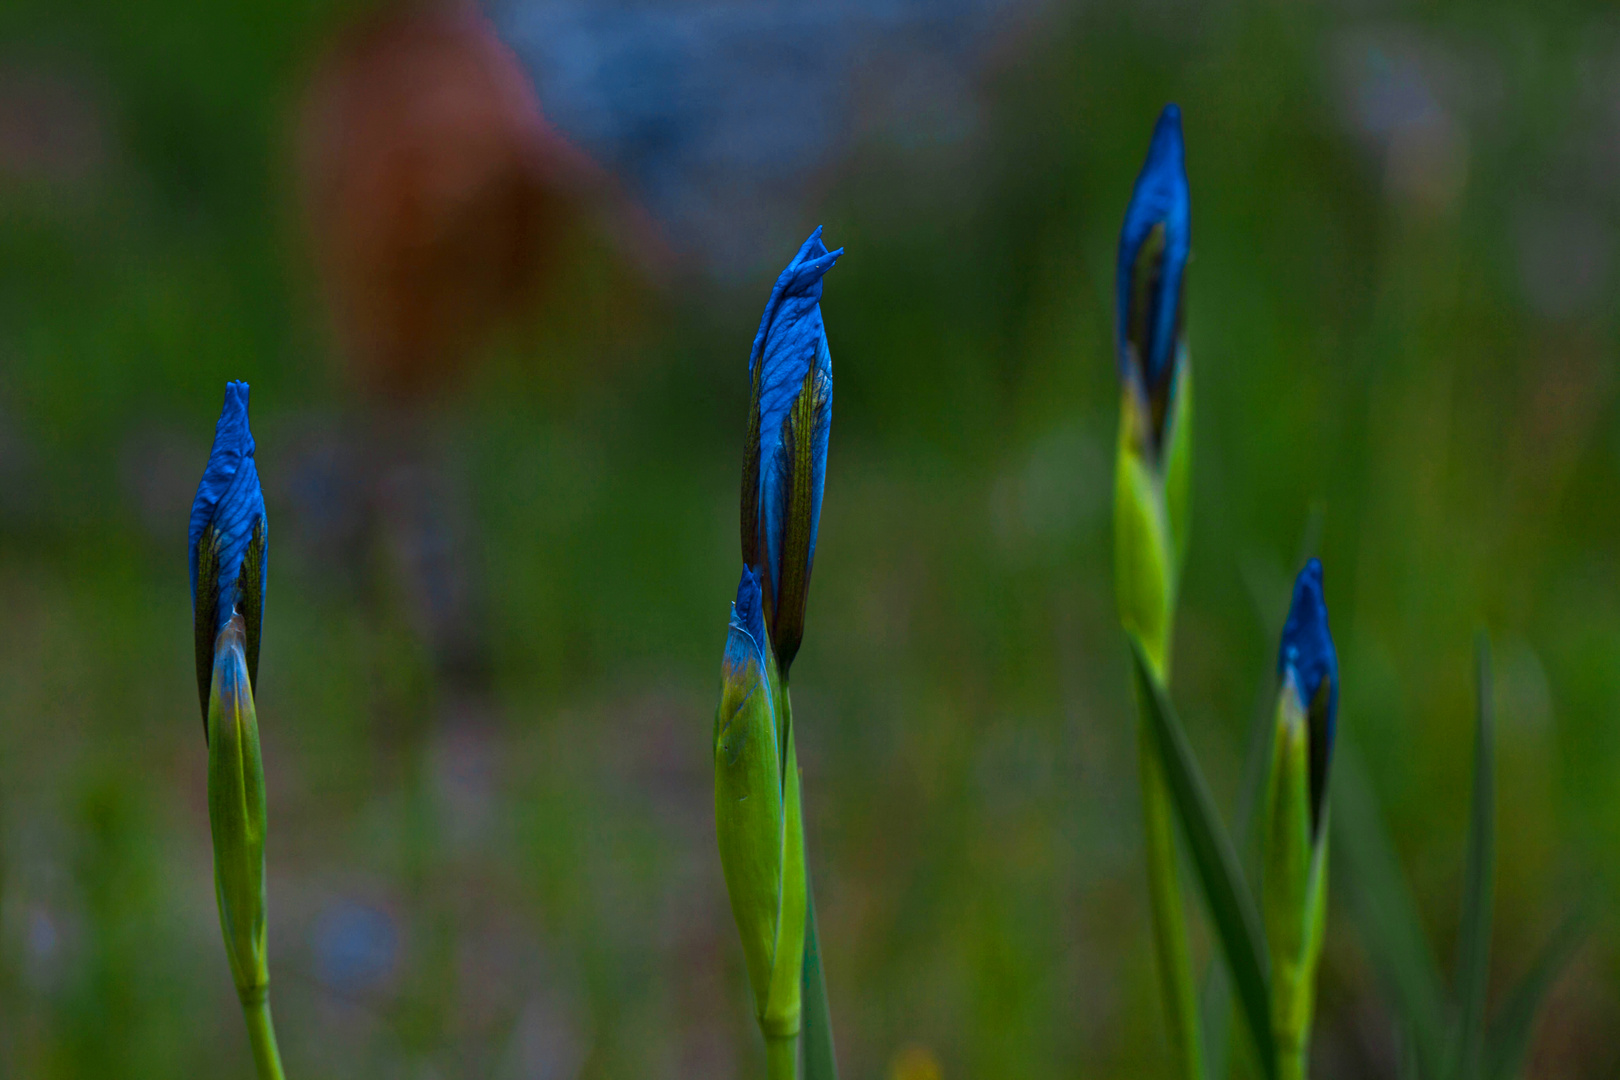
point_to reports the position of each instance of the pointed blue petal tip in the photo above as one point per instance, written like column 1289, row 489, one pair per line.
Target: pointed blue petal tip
column 1160, row 196
column 796, row 292
column 791, row 335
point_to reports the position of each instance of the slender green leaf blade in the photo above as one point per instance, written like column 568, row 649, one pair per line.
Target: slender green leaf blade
column 1215, row 1014
column 1474, row 930
column 1509, row 1039
column 820, row 1062
column 1384, row 908
column 1231, row 907
column 1215, row 998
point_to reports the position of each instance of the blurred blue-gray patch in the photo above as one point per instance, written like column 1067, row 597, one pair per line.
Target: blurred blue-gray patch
column 355, row 945
column 718, row 113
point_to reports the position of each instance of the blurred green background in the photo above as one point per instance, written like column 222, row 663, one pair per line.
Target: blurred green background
column 498, row 591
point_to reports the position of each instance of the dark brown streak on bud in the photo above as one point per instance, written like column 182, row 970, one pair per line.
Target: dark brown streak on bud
column 206, row 615
column 1317, row 735
column 1163, row 388
column 1146, row 277
column 798, row 445
column 250, row 587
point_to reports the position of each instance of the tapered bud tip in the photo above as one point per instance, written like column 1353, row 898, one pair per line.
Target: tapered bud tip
column 747, row 618
column 1153, row 248
column 229, row 501
column 1307, row 655
column 797, row 287
column 743, row 666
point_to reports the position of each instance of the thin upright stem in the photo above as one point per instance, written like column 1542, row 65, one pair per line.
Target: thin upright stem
column 262, row 1034
column 1169, row 916
column 781, row 1058
column 1291, row 1060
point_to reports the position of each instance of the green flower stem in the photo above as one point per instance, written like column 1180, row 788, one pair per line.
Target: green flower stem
column 1293, row 884
column 1169, row 919
column 1291, row 1061
column 781, row 1058
column 1150, row 535
column 262, row 1034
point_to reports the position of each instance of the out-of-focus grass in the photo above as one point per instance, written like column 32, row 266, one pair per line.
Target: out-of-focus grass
column 1407, row 319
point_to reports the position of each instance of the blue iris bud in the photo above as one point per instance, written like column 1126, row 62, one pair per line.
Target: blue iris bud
column 1152, row 274
column 1294, row 851
column 1309, row 668
column 785, row 463
column 228, row 538
column 228, row 535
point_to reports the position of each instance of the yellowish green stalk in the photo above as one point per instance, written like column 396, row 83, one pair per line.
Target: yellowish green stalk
column 262, row 1034
column 1293, row 888
column 1150, row 533
column 781, row 1058
column 1169, row 919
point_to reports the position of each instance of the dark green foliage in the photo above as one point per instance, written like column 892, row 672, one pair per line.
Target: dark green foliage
column 1395, row 939
column 1479, row 885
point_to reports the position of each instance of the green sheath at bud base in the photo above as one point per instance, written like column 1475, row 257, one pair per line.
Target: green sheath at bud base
column 1293, row 883
column 1151, row 486
column 758, row 821
column 236, row 812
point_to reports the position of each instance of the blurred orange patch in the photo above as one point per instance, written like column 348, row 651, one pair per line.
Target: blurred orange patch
column 435, row 191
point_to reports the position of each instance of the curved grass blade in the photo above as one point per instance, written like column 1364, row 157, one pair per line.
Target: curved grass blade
column 820, row 1061
column 1509, row 1038
column 1385, row 910
column 1231, row 907
column 1474, row 929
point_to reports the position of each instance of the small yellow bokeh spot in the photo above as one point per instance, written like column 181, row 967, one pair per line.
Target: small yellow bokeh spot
column 915, row 1063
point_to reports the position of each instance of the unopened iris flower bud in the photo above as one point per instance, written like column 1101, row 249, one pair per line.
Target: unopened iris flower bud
column 1155, row 436
column 1294, row 873
column 757, row 819
column 228, row 539
column 785, row 461
column 229, row 534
